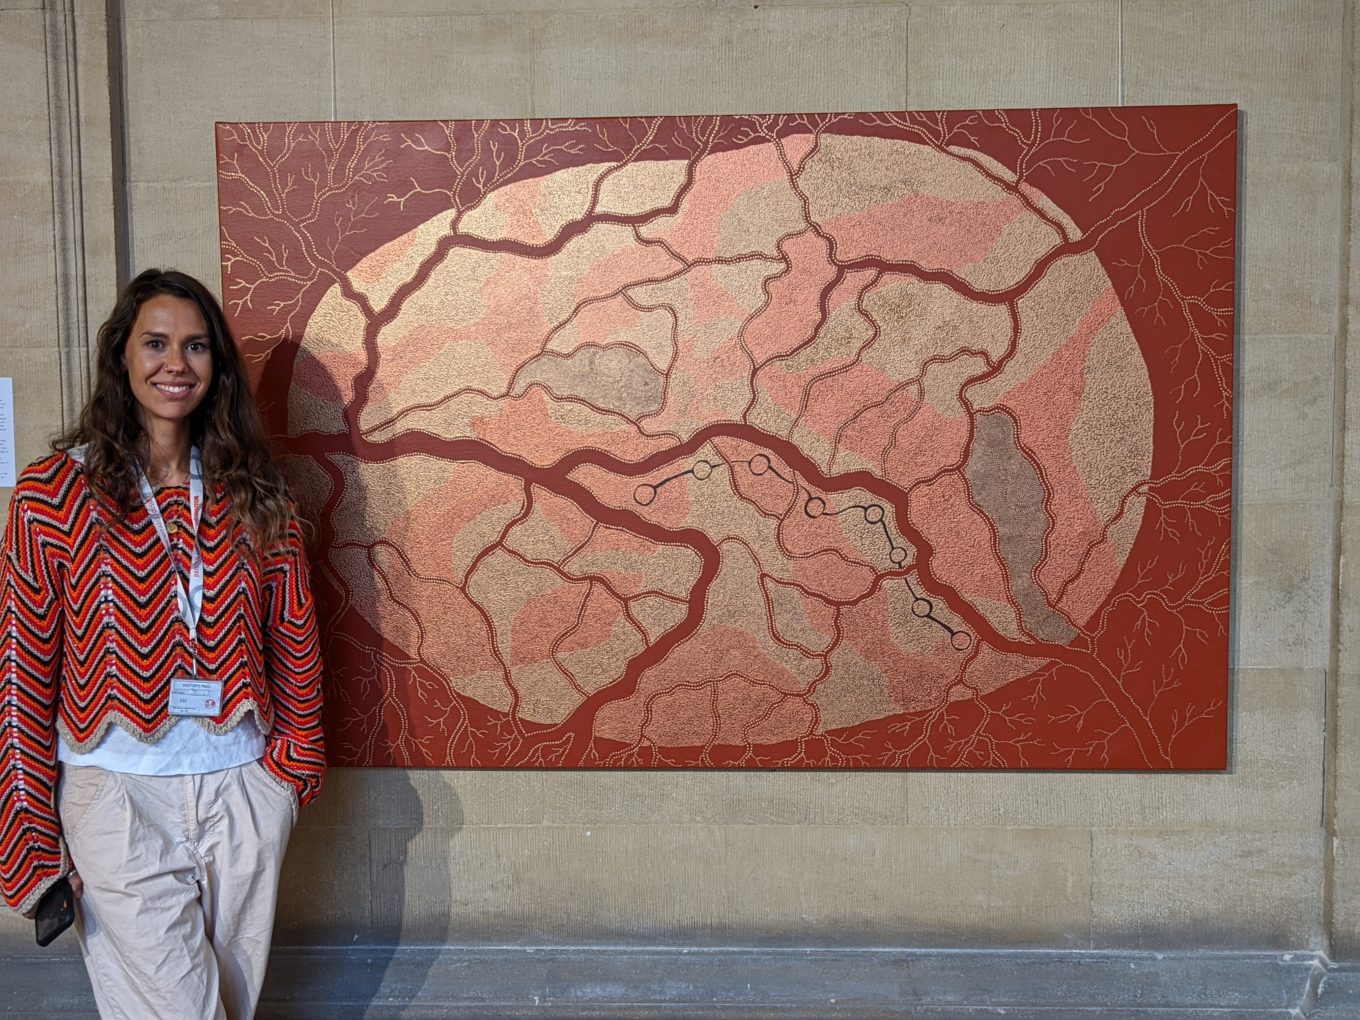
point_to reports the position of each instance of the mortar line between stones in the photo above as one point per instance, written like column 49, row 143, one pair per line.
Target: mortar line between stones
column 334, row 100
column 1350, row 29
column 1119, row 53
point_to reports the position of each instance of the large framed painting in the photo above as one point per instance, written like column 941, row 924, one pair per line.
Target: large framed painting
column 865, row 440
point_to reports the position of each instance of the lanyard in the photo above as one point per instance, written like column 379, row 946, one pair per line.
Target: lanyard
column 191, row 600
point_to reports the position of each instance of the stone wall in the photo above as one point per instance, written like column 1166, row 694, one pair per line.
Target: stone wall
column 1262, row 856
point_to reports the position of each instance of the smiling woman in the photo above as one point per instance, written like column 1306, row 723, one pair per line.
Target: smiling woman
column 159, row 667
column 169, row 365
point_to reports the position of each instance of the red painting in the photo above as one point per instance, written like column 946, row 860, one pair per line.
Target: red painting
column 876, row 440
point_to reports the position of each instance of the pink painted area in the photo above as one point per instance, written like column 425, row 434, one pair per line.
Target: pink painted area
column 835, row 398
column 929, row 230
column 704, row 662
column 791, row 318
column 372, row 268
column 564, row 516
column 913, row 680
column 928, row 442
column 527, row 428
column 444, row 613
column 1052, row 395
column 678, row 717
column 602, row 614
column 1089, row 589
column 719, row 181
column 789, row 719
column 329, row 376
column 425, row 535
column 965, row 556
column 511, row 328
column 621, row 560
column 430, row 525
column 836, row 575
column 626, row 264
column 992, row 669
column 598, row 323
column 869, row 430
column 518, row 204
column 539, row 621
column 711, row 301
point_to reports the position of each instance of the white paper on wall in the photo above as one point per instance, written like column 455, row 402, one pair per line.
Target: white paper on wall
column 7, row 465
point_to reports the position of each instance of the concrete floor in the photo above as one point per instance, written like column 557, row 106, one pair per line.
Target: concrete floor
column 491, row 983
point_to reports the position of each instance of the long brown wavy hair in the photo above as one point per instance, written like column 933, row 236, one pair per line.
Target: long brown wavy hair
column 226, row 425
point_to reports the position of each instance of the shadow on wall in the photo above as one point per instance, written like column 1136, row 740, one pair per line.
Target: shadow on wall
column 367, row 878
column 367, row 881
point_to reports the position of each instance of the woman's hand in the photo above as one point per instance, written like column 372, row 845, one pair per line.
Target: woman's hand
column 77, row 887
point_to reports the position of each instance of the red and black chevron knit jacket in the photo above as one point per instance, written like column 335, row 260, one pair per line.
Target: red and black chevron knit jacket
column 90, row 636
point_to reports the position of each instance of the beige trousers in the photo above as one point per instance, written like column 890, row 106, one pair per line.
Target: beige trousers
column 181, row 874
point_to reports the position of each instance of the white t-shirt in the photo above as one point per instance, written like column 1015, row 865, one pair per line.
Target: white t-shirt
column 185, row 749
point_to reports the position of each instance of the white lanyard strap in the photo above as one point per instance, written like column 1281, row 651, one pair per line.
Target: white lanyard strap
column 190, row 601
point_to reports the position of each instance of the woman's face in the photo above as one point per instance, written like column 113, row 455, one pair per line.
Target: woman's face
column 169, row 360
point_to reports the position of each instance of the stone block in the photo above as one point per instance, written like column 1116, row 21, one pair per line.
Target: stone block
column 1352, row 312
column 416, row 876
column 92, row 83
column 1286, row 392
column 325, row 897
column 1207, row 890
column 1281, row 598
column 1348, row 633
column 401, row 798
column 1283, row 61
column 188, row 73
column 707, row 885
column 1347, row 702
column 174, row 226
column 101, row 251
column 415, row 68
column 803, row 59
column 450, row 798
column 1274, row 779
column 792, row 798
column 398, row 8
column 1345, row 933
column 165, row 10
column 36, row 373
column 27, row 264
column 1006, row 55
column 1289, row 244
column 24, row 136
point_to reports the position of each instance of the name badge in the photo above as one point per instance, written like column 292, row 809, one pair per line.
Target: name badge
column 195, row 697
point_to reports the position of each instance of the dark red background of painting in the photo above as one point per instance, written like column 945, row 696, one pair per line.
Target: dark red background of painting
column 1154, row 192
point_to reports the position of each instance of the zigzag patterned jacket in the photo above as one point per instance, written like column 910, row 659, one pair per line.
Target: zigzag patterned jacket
column 90, row 636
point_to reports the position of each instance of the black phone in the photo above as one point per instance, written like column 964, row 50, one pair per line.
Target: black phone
column 56, row 911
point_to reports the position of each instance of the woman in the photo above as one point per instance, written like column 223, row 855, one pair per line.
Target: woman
column 159, row 668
